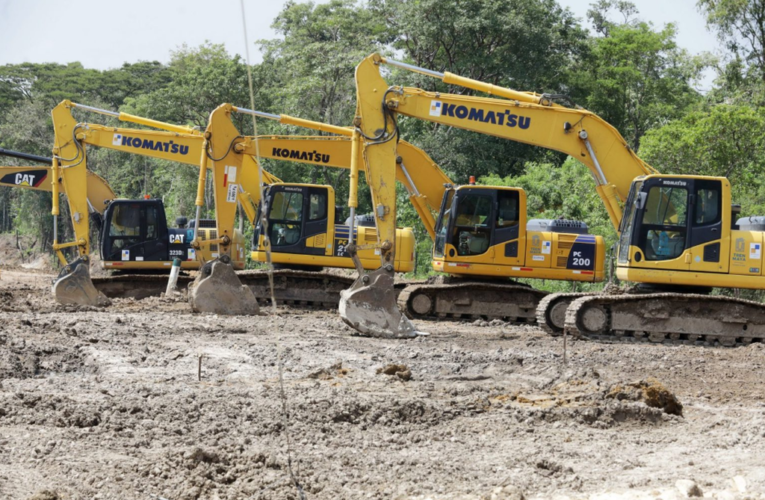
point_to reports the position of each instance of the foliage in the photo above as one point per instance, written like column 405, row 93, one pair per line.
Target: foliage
column 635, row 77
column 726, row 141
column 740, row 24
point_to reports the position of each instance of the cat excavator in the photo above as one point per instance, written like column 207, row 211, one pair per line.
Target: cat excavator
column 679, row 235
column 475, row 219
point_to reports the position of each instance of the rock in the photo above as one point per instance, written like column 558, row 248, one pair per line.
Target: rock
column 45, row 495
column 508, row 492
column 401, row 371
column 739, row 484
column 688, row 488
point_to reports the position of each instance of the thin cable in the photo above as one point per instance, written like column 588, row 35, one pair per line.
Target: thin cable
column 264, row 225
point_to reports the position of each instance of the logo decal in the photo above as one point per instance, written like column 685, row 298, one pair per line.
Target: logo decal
column 739, row 244
column 435, row 108
column 755, row 250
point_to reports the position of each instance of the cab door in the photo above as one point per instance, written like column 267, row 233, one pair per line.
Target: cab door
column 298, row 217
column 708, row 252
column 662, row 226
column 509, row 224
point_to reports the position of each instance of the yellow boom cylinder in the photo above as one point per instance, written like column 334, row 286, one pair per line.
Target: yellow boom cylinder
column 181, row 129
column 490, row 89
column 54, row 185
column 202, row 176
column 353, row 201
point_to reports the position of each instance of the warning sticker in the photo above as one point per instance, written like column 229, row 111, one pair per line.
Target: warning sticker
column 546, row 247
column 755, row 250
column 192, row 254
column 229, row 175
column 231, row 193
column 126, row 255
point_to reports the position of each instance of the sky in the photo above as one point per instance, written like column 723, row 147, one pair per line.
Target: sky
column 106, row 34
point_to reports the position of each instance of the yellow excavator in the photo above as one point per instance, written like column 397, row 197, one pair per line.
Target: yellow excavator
column 306, row 229
column 482, row 238
column 678, row 234
column 135, row 235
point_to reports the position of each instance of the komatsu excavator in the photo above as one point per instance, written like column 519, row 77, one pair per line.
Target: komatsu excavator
column 678, row 234
column 306, row 229
column 484, row 217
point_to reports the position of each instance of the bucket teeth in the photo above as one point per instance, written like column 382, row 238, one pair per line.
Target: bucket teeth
column 217, row 290
column 73, row 286
column 369, row 306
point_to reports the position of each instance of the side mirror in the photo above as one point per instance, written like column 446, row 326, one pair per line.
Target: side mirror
column 640, row 200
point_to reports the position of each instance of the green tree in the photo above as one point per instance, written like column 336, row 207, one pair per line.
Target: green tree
column 635, row 77
column 526, row 45
column 726, row 141
column 740, row 24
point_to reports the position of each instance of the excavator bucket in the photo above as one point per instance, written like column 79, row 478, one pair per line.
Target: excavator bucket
column 73, row 286
column 369, row 306
column 218, row 290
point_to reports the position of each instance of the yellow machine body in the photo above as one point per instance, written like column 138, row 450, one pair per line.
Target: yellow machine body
column 694, row 241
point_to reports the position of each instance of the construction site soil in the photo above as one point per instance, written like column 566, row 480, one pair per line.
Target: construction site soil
column 146, row 400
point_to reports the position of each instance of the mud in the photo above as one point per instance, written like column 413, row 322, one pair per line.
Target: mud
column 148, row 400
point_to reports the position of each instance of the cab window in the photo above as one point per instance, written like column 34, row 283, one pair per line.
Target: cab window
column 507, row 204
column 707, row 210
column 664, row 222
column 287, row 206
column 318, row 205
column 472, row 224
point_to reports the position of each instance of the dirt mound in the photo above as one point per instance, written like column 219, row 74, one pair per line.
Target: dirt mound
column 651, row 392
column 400, row 371
column 23, row 360
column 582, row 396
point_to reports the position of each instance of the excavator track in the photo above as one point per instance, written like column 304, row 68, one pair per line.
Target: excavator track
column 668, row 317
column 471, row 300
column 551, row 311
column 291, row 288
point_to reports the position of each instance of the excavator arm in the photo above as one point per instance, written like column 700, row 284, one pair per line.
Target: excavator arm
column 517, row 116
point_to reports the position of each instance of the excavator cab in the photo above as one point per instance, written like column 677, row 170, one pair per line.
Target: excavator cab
column 672, row 223
column 305, row 232
column 298, row 218
column 135, row 231
column 135, row 236
column 472, row 219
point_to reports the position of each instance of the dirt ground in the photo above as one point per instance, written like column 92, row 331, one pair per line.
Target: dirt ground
column 108, row 404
